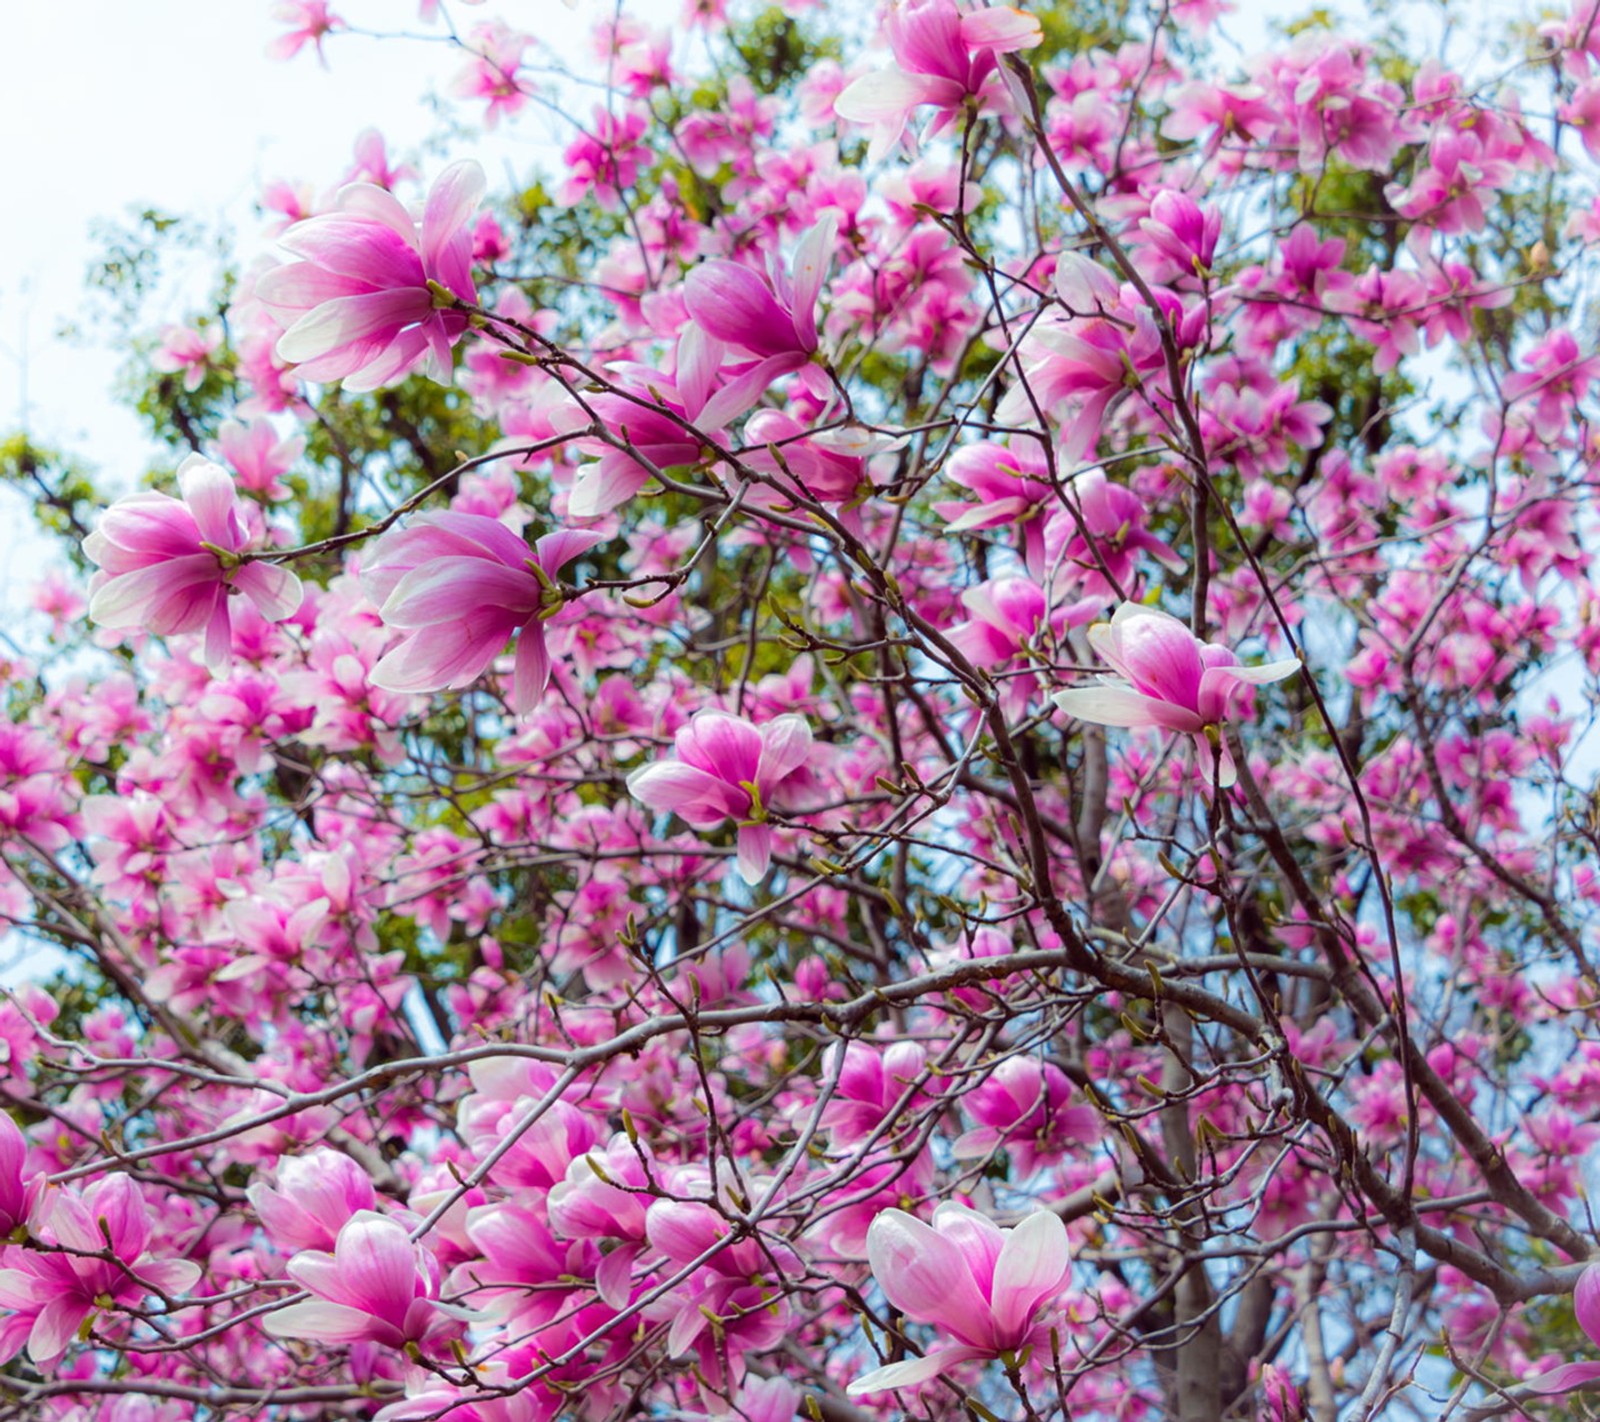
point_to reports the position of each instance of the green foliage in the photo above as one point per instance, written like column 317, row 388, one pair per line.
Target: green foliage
column 60, row 491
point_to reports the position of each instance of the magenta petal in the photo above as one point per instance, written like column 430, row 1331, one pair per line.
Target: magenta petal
column 785, row 747
column 555, row 550
column 532, row 669
column 601, row 487
column 613, row 1280
column 1562, row 1379
column 924, row 1275
column 138, row 598
column 755, row 852
column 1032, row 1268
column 377, row 1265
column 208, row 491
column 442, row 658
column 219, row 638
column 683, row 1230
column 1586, row 1302
column 452, row 200
column 274, row 590
column 699, row 797
column 441, row 588
column 733, row 304
column 725, row 746
column 349, row 319
column 58, row 1321
column 323, row 1322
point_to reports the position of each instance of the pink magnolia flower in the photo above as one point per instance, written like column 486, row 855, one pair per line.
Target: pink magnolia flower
column 1586, row 1305
column 729, row 769
column 1012, row 619
column 169, row 565
column 258, row 456
column 51, row 1294
column 1113, row 519
column 462, row 584
column 590, row 1205
column 1169, row 678
column 357, row 307
column 739, row 1286
column 309, row 22
column 189, row 351
column 376, row 1287
column 1024, row 1108
column 491, row 73
column 942, row 57
column 983, row 1285
column 1013, row 488
column 315, row 1196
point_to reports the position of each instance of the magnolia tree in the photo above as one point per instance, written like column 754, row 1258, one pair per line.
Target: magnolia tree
column 910, row 737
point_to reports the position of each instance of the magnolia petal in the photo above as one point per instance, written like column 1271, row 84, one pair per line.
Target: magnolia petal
column 1002, row 29
column 453, row 198
column 755, row 853
column 723, row 745
column 811, row 261
column 913, row 1370
column 441, row 588
column 1264, row 674
column 598, row 488
column 322, row 1321
column 785, row 746
column 1586, row 1302
column 685, row 790
column 1123, row 706
column 441, row 658
column 54, row 1328
column 219, row 639
column 735, row 305
column 891, row 93
column 531, row 674
column 274, row 590
column 208, row 491
column 1033, row 1265
column 1563, row 1379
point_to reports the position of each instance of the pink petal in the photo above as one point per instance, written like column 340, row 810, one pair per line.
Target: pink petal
column 322, row 1321
column 755, row 852
column 208, row 491
column 734, row 305
column 350, row 319
column 443, row 658
column 785, row 747
column 1562, row 1379
column 725, row 746
column 700, row 798
column 1034, row 1264
column 891, row 93
column 55, row 1327
column 440, row 589
column 452, row 200
column 274, row 590
column 532, row 669
column 912, row 1371
column 811, row 261
column 1586, row 1302
column 1123, row 706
